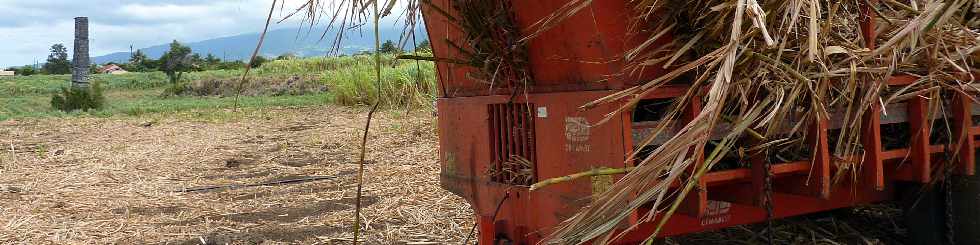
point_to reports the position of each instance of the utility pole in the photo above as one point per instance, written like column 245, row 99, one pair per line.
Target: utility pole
column 80, row 60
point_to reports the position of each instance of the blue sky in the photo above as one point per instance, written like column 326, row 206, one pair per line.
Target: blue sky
column 29, row 27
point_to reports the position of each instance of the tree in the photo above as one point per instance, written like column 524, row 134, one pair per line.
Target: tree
column 423, row 47
column 197, row 62
column 286, row 56
column 231, row 65
column 23, row 70
column 389, row 48
column 93, row 69
column 138, row 62
column 259, row 60
column 211, row 62
column 57, row 62
column 175, row 62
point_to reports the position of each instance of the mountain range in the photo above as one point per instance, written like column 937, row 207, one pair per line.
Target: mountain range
column 302, row 42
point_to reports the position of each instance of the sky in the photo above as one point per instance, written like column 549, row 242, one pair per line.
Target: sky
column 28, row 28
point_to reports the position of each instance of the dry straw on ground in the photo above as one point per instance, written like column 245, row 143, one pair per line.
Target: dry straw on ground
column 104, row 181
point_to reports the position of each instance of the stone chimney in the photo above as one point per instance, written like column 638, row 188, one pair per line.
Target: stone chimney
column 80, row 60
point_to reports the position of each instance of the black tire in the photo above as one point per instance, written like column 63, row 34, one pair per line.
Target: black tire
column 966, row 209
column 924, row 214
column 925, row 211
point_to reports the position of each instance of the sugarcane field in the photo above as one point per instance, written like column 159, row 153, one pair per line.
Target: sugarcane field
column 500, row 122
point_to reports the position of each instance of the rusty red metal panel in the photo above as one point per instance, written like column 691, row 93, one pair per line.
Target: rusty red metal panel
column 567, row 57
column 697, row 201
column 487, row 229
column 758, row 172
column 580, row 149
column 585, row 51
column 901, row 80
column 868, row 24
column 510, row 134
column 441, row 29
column 873, row 172
column 606, row 145
column 919, row 165
column 963, row 139
column 725, row 214
column 494, row 120
column 816, row 181
column 821, row 160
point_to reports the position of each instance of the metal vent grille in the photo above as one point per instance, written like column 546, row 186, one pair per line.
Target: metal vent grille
column 512, row 143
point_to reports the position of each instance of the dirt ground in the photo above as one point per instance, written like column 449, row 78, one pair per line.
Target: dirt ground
column 119, row 181
column 112, row 180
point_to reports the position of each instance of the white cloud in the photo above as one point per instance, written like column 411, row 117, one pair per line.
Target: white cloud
column 29, row 28
column 164, row 12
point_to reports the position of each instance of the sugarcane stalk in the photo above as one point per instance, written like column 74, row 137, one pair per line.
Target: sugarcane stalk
column 255, row 54
column 700, row 171
column 878, row 12
column 786, row 68
column 590, row 173
column 367, row 125
column 902, row 6
column 752, row 132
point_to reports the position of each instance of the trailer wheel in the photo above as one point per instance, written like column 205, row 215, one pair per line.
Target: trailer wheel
column 966, row 209
column 926, row 217
column 924, row 214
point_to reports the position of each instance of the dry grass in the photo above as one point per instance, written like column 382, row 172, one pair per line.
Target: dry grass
column 97, row 180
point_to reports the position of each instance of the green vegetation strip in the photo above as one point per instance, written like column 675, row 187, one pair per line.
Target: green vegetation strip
column 346, row 80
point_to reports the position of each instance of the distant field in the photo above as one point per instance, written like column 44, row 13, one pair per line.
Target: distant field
column 282, row 83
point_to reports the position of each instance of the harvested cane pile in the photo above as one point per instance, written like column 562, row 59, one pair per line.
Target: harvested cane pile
column 492, row 43
column 774, row 68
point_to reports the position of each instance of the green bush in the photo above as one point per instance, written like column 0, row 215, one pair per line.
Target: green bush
column 72, row 99
column 175, row 90
column 321, row 64
column 257, row 86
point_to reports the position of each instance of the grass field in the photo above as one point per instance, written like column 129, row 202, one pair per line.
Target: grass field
column 346, row 81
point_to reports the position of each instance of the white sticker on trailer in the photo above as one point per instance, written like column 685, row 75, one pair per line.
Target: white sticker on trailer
column 717, row 212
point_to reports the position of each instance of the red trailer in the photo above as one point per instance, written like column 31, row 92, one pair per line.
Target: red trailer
column 574, row 63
